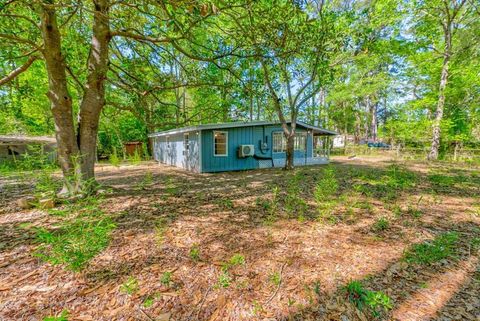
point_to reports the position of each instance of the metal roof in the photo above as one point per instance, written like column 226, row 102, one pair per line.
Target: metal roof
column 237, row 124
column 23, row 139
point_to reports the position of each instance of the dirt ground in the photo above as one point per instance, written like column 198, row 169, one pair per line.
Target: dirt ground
column 219, row 215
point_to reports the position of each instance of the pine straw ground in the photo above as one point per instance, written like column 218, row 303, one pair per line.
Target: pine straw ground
column 220, row 215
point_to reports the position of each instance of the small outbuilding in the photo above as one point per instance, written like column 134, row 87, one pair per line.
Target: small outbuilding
column 239, row 146
column 13, row 147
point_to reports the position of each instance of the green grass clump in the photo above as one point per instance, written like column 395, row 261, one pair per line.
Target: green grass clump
column 75, row 243
column 130, row 286
column 83, row 233
column 442, row 247
column 224, row 280
column 195, row 253
column 166, row 278
column 381, row 224
column 62, row 317
column 374, row 301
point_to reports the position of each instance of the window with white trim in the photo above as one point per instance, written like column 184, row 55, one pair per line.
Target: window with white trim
column 279, row 144
column 220, row 143
column 300, row 142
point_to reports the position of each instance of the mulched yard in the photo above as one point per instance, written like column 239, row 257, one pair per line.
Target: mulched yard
column 295, row 266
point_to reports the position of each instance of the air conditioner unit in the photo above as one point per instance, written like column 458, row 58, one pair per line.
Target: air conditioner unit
column 245, row 150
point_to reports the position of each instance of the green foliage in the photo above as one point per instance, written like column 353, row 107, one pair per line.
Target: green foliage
column 374, row 301
column 114, row 159
column 295, row 205
column 226, row 203
column 166, row 278
column 325, row 193
column 381, row 224
column 275, row 278
column 235, row 260
column 146, row 181
column 78, row 239
column 195, row 253
column 62, row 317
column 224, row 280
column 130, row 286
column 441, row 247
column 136, row 158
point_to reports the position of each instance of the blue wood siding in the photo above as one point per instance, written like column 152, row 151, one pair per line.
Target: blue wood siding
column 201, row 158
column 253, row 135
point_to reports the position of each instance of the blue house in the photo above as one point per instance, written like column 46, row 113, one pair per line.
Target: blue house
column 239, row 146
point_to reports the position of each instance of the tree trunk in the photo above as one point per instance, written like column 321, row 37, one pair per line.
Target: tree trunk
column 60, row 99
column 94, row 96
column 433, row 154
column 290, row 150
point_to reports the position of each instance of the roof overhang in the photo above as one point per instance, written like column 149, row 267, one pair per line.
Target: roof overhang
column 315, row 129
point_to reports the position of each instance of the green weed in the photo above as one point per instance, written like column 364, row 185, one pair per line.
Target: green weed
column 442, row 247
column 374, row 301
column 130, row 286
column 146, row 181
column 195, row 253
column 224, row 280
column 62, row 317
column 166, row 278
column 381, row 224
column 275, row 278
column 76, row 242
column 113, row 158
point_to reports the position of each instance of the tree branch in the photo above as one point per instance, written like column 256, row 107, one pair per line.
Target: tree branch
column 18, row 70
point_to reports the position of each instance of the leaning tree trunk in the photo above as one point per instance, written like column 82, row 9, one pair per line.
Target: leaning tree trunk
column 60, row 99
column 433, row 154
column 94, row 96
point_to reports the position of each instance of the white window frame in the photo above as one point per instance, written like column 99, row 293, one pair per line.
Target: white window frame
column 283, row 143
column 226, row 143
column 297, row 136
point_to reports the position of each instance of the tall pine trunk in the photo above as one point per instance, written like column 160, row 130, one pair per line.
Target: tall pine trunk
column 433, row 154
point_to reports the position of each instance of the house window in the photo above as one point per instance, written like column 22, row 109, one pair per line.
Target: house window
column 279, row 143
column 186, row 142
column 300, row 142
column 220, row 143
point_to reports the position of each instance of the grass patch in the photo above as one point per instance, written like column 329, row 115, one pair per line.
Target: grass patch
column 442, row 247
column 375, row 302
column 78, row 239
column 381, row 224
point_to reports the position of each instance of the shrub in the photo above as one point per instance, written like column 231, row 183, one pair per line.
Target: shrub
column 442, row 247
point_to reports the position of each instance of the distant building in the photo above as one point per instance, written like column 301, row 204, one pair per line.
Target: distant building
column 239, row 146
column 17, row 146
